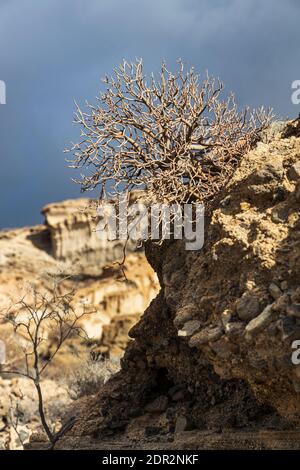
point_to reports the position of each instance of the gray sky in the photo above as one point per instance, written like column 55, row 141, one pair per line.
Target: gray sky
column 55, row 51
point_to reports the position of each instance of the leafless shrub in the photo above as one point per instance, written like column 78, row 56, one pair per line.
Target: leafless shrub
column 32, row 319
column 173, row 136
column 14, row 421
column 90, row 377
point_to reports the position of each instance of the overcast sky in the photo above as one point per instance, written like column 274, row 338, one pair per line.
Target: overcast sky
column 55, row 51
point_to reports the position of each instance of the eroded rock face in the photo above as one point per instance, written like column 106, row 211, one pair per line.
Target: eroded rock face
column 250, row 266
column 68, row 246
column 237, row 301
column 75, row 238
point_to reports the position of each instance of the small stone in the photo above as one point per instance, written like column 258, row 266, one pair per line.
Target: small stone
column 226, row 201
column 245, row 206
column 181, row 424
column 279, row 195
column 184, row 314
column 289, row 328
column 235, row 328
column 261, row 321
column 208, row 334
column 293, row 310
column 284, row 285
column 294, row 171
column 247, row 306
column 189, row 328
column 275, row 291
column 159, row 405
column 279, row 216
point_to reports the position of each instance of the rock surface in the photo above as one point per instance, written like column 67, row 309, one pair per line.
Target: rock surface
column 232, row 379
column 67, row 246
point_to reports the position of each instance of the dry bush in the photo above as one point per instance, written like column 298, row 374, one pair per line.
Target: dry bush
column 173, row 136
column 90, row 377
column 32, row 318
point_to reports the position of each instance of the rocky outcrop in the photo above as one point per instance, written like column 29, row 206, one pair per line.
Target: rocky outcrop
column 32, row 255
column 68, row 246
column 74, row 236
column 216, row 343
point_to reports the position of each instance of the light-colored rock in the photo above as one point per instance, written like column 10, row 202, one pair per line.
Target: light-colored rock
column 181, row 424
column 294, row 171
column 236, row 328
column 275, row 291
column 33, row 255
column 184, row 314
column 206, row 335
column 74, row 235
column 189, row 328
column 261, row 321
column 226, row 317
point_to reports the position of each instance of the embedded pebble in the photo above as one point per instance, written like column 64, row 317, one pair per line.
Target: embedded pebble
column 206, row 335
column 261, row 321
column 247, row 306
column 275, row 291
column 294, row 171
column 189, row 328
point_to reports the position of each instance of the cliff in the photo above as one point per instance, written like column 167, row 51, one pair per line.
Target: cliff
column 213, row 351
column 67, row 245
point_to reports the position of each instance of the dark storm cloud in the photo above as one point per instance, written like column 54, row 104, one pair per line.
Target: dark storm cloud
column 56, row 50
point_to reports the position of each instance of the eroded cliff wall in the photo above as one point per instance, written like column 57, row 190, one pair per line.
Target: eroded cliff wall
column 213, row 350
